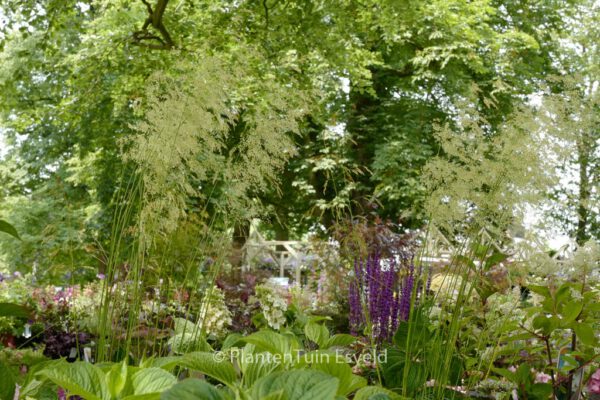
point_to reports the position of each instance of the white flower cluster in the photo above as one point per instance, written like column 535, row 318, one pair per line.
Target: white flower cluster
column 448, row 287
column 214, row 316
column 586, row 260
column 501, row 389
column 504, row 307
column 273, row 304
column 583, row 261
column 85, row 306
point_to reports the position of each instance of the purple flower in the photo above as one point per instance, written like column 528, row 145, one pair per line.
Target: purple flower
column 101, row 276
column 594, row 383
column 428, row 284
column 377, row 296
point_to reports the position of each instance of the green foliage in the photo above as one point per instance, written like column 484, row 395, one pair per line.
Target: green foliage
column 8, row 382
column 296, row 385
column 8, row 228
column 320, row 335
column 421, row 352
column 524, row 379
column 223, row 371
column 14, row 310
column 376, row 393
column 119, row 382
column 485, row 178
column 216, row 128
column 192, row 389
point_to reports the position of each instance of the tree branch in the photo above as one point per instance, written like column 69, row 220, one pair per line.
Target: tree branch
column 154, row 19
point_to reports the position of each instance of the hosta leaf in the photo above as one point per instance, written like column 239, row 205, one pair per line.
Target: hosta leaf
column 317, row 333
column 152, row 380
column 194, row 389
column 297, row 385
column 183, row 343
column 166, row 363
column 258, row 366
column 338, row 368
column 79, row 378
column 376, row 393
column 116, row 379
column 183, row 325
column 211, row 365
column 340, row 339
column 272, row 342
column 231, row 340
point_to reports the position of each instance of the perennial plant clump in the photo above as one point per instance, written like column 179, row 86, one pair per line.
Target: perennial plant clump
column 214, row 316
column 384, row 283
column 273, row 304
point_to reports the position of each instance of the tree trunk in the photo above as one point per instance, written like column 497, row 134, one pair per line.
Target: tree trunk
column 241, row 231
column 581, row 234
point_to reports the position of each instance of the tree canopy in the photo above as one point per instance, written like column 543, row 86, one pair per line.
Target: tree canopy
column 296, row 112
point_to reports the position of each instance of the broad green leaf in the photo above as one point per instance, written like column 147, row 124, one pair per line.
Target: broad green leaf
column 414, row 334
column 341, row 340
column 494, row 259
column 541, row 290
column 256, row 365
column 523, row 373
column 546, row 324
column 152, row 380
column 79, row 378
column 231, row 340
column 116, row 379
column 585, row 333
column 182, row 343
column 145, row 396
column 7, row 382
column 571, row 311
column 520, row 336
column 317, row 333
column 505, row 373
column 166, row 363
column 593, row 307
column 541, row 390
column 337, row 367
column 562, row 293
column 193, row 389
column 183, row 325
column 273, row 342
column 211, row 364
column 8, row 228
column 14, row 310
column 297, row 385
column 376, row 393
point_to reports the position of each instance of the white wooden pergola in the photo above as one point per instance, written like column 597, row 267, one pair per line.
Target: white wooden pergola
column 290, row 256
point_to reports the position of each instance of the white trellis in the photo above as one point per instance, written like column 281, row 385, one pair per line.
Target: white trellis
column 290, row 255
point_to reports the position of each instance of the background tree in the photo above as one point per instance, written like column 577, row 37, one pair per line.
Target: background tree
column 376, row 75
